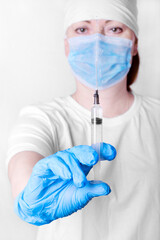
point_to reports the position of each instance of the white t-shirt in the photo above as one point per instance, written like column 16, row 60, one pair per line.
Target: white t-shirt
column 132, row 210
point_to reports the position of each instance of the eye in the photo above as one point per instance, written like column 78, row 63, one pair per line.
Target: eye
column 81, row 30
column 116, row 30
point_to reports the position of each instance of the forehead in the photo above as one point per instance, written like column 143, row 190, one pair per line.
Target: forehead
column 96, row 21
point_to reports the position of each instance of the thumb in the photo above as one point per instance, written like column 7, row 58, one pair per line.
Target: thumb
column 81, row 196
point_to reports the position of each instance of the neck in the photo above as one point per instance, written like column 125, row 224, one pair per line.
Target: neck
column 114, row 101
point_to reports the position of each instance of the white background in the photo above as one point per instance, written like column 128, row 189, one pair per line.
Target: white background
column 33, row 69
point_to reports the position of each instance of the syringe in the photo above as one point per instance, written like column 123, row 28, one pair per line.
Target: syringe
column 96, row 131
column 96, row 115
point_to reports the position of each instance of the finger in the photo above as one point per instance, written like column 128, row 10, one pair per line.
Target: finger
column 85, row 154
column 70, row 159
column 108, row 152
column 59, row 167
column 52, row 167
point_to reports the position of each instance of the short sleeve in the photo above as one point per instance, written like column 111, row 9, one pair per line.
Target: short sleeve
column 33, row 131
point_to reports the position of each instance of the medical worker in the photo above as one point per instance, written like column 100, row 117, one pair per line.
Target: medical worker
column 50, row 158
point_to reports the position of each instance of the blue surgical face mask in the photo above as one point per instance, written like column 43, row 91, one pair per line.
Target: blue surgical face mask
column 99, row 59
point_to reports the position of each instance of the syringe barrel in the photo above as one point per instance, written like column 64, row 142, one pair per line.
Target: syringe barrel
column 96, row 127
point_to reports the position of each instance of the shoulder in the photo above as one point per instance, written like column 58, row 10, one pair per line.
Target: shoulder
column 58, row 111
column 45, row 109
column 150, row 103
column 149, row 108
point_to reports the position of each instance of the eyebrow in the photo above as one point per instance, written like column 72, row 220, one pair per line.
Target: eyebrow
column 105, row 21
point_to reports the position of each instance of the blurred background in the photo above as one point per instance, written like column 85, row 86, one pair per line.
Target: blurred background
column 33, row 69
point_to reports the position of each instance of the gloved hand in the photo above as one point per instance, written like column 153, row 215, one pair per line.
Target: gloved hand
column 58, row 186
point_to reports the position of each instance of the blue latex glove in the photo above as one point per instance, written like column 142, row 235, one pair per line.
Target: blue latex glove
column 58, row 186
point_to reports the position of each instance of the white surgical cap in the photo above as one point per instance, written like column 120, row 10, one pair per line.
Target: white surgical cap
column 124, row 11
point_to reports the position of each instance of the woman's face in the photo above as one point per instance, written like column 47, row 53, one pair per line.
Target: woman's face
column 106, row 27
